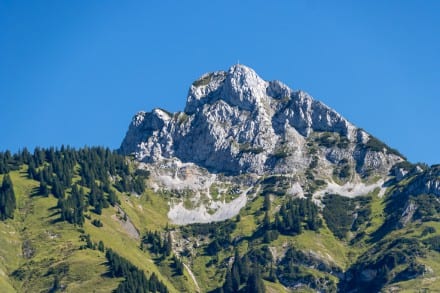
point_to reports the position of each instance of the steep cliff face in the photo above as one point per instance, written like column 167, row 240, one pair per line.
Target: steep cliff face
column 235, row 122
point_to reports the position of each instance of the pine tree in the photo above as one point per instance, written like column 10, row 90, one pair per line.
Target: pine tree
column 272, row 276
column 57, row 189
column 4, row 168
column 266, row 221
column 244, row 269
column 178, row 264
column 7, row 199
column 168, row 245
column 255, row 283
column 39, row 156
column 101, row 246
column 266, row 203
column 227, row 286
column 98, row 207
column 235, row 278
column 32, row 172
column 296, row 227
column 112, row 197
column 56, row 284
column 43, row 189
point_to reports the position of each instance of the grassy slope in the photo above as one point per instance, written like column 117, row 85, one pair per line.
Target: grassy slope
column 52, row 244
column 55, row 244
column 149, row 212
column 339, row 252
column 10, row 250
column 430, row 281
column 278, row 288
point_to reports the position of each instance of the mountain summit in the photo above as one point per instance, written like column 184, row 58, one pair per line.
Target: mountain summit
column 235, row 122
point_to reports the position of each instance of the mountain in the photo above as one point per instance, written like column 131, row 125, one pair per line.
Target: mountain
column 236, row 123
column 254, row 187
column 241, row 137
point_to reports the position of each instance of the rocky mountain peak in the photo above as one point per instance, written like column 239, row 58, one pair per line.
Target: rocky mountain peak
column 236, row 122
column 244, row 88
column 240, row 87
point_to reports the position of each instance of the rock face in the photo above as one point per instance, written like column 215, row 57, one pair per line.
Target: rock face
column 235, row 122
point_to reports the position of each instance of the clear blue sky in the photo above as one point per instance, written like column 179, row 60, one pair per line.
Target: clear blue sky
column 75, row 72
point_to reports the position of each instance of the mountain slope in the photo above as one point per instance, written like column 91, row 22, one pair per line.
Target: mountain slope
column 241, row 138
column 236, row 123
column 253, row 188
column 43, row 252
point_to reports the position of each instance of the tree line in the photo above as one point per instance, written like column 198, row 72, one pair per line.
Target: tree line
column 135, row 279
column 99, row 169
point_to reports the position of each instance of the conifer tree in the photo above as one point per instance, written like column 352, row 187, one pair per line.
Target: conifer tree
column 43, row 189
column 266, row 203
column 178, row 264
column 32, row 172
column 244, row 268
column 255, row 283
column 168, row 245
column 112, row 197
column 266, row 220
column 227, row 286
column 101, row 246
column 7, row 199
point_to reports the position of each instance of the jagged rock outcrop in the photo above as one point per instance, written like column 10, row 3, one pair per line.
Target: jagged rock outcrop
column 235, row 122
column 428, row 182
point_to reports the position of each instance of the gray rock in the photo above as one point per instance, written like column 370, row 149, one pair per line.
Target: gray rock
column 235, row 122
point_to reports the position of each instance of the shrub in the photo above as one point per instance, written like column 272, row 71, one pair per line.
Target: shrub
column 97, row 223
column 204, row 80
column 375, row 145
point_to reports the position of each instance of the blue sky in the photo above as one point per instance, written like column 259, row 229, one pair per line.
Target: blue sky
column 75, row 72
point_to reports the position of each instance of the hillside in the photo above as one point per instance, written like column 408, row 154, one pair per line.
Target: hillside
column 254, row 187
column 363, row 243
column 39, row 249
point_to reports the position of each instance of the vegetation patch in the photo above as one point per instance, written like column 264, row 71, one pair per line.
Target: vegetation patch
column 433, row 243
column 183, row 117
column 382, row 265
column 134, row 278
column 342, row 171
column 375, row 145
column 247, row 148
column 327, row 139
column 276, row 185
column 428, row 207
column 343, row 214
column 204, row 80
column 294, row 216
column 294, row 269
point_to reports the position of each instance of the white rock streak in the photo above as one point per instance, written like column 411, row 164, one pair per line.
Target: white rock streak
column 351, row 189
column 178, row 214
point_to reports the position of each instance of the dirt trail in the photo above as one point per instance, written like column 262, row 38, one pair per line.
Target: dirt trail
column 192, row 277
